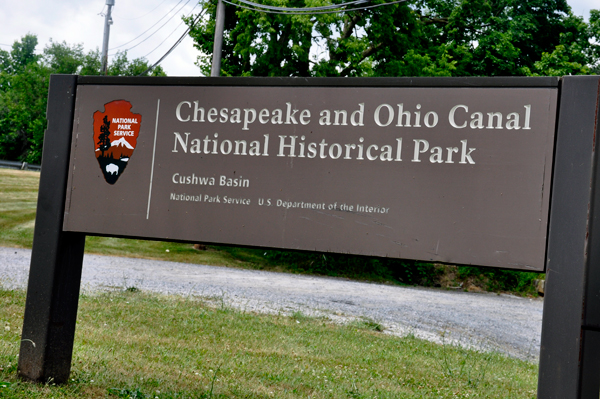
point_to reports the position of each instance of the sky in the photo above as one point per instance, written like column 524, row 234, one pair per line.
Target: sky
column 79, row 21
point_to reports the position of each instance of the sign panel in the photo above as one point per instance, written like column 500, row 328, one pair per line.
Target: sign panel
column 457, row 175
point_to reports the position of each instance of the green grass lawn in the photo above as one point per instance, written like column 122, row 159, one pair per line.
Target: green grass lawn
column 18, row 201
column 136, row 345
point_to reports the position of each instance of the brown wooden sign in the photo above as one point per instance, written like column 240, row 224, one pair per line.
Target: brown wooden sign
column 462, row 170
column 451, row 174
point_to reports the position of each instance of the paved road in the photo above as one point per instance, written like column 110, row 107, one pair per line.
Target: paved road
column 487, row 321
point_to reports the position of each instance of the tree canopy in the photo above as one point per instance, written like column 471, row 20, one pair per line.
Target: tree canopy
column 416, row 38
column 24, row 78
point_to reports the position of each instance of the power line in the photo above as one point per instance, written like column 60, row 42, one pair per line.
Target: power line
column 258, row 7
column 177, row 43
column 148, row 13
column 156, row 23
column 304, row 9
column 169, row 35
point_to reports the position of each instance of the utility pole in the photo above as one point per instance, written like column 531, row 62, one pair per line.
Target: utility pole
column 107, row 23
column 218, row 43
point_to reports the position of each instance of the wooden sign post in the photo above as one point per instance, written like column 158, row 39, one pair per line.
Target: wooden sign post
column 570, row 347
column 457, row 170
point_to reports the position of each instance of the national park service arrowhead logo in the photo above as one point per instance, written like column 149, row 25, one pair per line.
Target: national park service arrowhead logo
column 115, row 136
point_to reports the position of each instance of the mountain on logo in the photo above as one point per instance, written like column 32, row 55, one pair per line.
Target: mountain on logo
column 121, row 143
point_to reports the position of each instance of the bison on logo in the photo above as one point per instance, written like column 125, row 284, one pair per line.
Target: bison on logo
column 115, row 136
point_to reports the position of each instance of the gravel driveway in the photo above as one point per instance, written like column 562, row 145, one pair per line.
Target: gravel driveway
column 502, row 323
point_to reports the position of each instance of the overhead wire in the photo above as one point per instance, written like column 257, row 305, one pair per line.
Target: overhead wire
column 305, row 9
column 258, row 7
column 169, row 35
column 156, row 23
column 148, row 13
column 176, row 43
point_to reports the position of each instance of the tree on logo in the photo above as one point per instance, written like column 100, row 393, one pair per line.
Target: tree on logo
column 103, row 139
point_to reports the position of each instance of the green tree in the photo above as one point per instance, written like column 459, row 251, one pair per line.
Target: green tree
column 121, row 66
column 104, row 139
column 418, row 38
column 23, row 53
column 23, row 113
column 24, row 78
column 71, row 59
column 62, row 58
column 23, row 92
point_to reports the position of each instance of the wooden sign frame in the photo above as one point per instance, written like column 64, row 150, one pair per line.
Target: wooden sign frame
column 570, row 348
